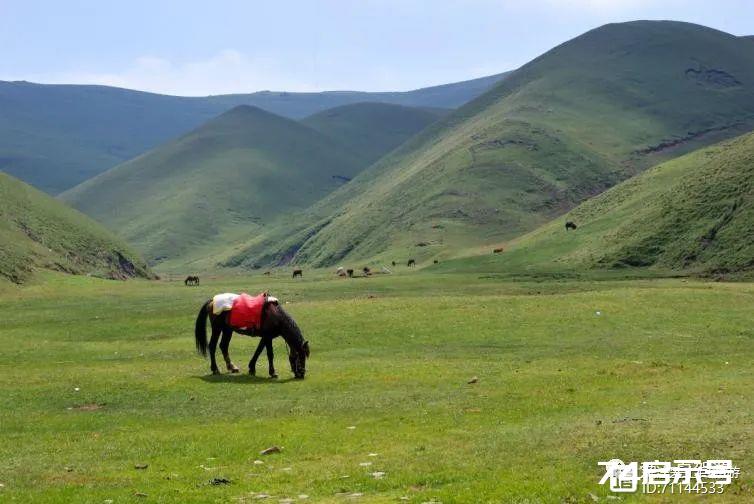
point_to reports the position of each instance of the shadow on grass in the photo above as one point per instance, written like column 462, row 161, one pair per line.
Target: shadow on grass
column 241, row 378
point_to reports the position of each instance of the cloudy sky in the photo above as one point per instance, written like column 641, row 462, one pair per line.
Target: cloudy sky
column 193, row 47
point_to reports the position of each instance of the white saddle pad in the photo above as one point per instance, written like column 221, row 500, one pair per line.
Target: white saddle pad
column 223, row 302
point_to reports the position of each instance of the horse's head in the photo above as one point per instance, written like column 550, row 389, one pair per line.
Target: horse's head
column 298, row 347
column 297, row 358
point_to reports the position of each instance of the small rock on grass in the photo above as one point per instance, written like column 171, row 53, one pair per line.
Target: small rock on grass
column 303, row 496
column 139, row 494
column 141, row 466
column 474, row 379
column 270, row 450
column 378, row 475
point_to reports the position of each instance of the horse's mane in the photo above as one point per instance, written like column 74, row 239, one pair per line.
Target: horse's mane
column 288, row 327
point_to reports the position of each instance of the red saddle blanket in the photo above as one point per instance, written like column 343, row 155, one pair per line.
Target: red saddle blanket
column 246, row 312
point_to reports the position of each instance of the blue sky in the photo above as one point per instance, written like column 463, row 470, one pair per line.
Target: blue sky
column 199, row 47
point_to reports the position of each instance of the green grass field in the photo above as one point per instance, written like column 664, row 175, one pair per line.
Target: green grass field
column 98, row 377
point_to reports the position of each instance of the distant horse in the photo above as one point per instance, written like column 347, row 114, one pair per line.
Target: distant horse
column 411, row 263
column 275, row 322
column 498, row 250
column 267, row 273
column 366, row 271
column 393, row 263
column 570, row 225
column 436, row 261
column 191, row 280
column 298, row 273
column 350, row 273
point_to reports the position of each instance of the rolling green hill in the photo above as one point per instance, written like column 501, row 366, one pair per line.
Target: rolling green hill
column 56, row 136
column 372, row 129
column 692, row 214
column 216, row 185
column 38, row 232
column 562, row 128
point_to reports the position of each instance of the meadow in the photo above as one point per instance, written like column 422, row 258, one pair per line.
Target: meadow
column 104, row 399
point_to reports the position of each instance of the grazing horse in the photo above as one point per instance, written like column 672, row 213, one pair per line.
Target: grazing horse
column 274, row 322
column 350, row 273
column 298, row 273
column 393, row 263
column 366, row 271
column 411, row 263
column 570, row 225
column 498, row 250
column 191, row 280
column 436, row 261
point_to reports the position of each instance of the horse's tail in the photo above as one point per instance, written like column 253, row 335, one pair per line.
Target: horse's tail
column 200, row 330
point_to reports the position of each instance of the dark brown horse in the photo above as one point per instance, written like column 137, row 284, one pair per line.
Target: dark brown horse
column 191, row 280
column 298, row 273
column 411, row 263
column 570, row 225
column 275, row 322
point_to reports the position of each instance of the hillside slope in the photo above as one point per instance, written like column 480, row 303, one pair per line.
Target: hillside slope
column 38, row 232
column 218, row 184
column 566, row 126
column 372, row 129
column 56, row 136
column 692, row 214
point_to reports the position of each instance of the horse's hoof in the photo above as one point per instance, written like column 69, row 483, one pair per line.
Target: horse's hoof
column 252, row 372
column 216, row 372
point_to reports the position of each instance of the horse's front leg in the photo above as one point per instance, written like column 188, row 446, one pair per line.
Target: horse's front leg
column 270, row 358
column 224, row 346
column 253, row 361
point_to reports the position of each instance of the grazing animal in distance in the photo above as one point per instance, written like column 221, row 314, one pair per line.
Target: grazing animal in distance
column 340, row 272
column 411, row 263
column 570, row 225
column 366, row 270
column 436, row 261
column 350, row 273
column 498, row 250
column 191, row 280
column 260, row 316
column 298, row 273
column 393, row 263
column 267, row 273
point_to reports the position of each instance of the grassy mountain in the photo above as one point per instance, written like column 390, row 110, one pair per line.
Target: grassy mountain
column 38, row 232
column 693, row 214
column 562, row 128
column 216, row 185
column 372, row 129
column 56, row 136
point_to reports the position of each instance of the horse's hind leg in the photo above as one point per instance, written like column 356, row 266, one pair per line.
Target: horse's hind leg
column 224, row 345
column 253, row 361
column 212, row 348
column 270, row 358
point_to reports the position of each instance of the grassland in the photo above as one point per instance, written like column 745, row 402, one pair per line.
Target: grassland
column 39, row 232
column 691, row 215
column 566, row 126
column 99, row 377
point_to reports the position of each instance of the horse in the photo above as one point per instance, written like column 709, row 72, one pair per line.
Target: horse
column 298, row 273
column 349, row 272
column 570, row 225
column 393, row 263
column 436, row 261
column 191, row 280
column 411, row 263
column 275, row 322
column 498, row 250
column 366, row 271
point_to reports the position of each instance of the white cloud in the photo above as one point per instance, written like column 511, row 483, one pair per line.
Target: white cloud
column 228, row 71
